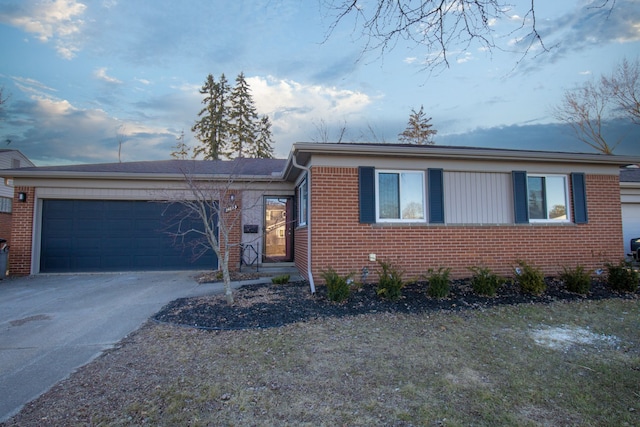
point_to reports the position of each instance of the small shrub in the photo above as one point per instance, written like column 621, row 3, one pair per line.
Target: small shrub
column 484, row 281
column 577, row 280
column 390, row 282
column 622, row 277
column 530, row 278
column 338, row 289
column 281, row 279
column 438, row 283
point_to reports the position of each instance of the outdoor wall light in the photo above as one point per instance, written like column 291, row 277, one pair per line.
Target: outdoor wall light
column 232, row 198
column 22, row 197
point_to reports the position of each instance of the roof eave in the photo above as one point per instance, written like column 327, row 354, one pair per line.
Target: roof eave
column 304, row 150
column 34, row 174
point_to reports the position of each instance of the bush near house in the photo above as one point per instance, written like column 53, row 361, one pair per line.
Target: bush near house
column 338, row 289
column 438, row 283
column 577, row 280
column 282, row 279
column 622, row 276
column 484, row 281
column 390, row 281
column 530, row 278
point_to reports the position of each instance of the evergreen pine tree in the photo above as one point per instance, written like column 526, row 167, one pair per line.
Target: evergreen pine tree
column 244, row 119
column 212, row 129
column 263, row 147
column 181, row 149
column 418, row 129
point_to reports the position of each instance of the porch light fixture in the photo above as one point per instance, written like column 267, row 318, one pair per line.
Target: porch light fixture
column 232, row 198
column 22, row 197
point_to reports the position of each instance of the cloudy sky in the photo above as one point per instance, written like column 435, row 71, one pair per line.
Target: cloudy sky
column 86, row 76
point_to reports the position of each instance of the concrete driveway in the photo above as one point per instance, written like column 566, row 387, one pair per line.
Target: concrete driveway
column 50, row 325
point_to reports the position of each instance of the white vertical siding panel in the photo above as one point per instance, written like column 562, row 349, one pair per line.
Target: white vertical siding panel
column 477, row 198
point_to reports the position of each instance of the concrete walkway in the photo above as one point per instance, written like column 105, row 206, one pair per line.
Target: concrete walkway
column 50, row 325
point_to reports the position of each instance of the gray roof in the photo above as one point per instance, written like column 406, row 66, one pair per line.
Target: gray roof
column 238, row 166
column 630, row 175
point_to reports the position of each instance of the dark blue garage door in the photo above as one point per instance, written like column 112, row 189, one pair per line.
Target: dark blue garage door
column 101, row 235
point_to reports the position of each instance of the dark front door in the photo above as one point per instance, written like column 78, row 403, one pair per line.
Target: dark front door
column 278, row 233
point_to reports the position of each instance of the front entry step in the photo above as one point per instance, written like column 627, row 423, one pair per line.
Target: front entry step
column 274, row 269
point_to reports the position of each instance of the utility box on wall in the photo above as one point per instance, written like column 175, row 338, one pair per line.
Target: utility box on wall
column 250, row 228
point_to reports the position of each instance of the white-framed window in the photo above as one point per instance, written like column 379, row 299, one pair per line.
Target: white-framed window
column 548, row 198
column 400, row 196
column 6, row 204
column 303, row 202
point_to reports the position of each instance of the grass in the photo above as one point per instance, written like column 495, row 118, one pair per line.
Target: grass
column 478, row 368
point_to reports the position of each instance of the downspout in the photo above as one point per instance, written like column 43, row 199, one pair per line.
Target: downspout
column 308, row 170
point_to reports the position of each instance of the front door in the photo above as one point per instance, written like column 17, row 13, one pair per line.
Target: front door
column 278, row 233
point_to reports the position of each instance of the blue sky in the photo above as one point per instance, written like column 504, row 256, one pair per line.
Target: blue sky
column 85, row 75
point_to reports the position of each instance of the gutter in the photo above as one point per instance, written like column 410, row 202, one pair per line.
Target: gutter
column 308, row 170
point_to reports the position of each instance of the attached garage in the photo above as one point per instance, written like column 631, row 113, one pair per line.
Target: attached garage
column 630, row 223
column 630, row 202
column 116, row 235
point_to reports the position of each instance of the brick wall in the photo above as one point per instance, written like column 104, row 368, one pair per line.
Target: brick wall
column 300, row 249
column 21, row 233
column 341, row 242
column 232, row 220
column 5, row 226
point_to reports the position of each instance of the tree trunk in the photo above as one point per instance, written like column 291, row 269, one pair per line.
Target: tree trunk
column 227, row 278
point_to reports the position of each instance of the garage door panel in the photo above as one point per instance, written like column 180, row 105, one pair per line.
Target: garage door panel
column 90, row 235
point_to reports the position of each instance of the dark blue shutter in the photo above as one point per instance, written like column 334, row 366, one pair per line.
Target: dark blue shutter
column 367, row 194
column 520, row 202
column 436, row 196
column 579, row 198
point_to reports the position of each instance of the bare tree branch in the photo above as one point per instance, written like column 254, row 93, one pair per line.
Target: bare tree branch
column 440, row 26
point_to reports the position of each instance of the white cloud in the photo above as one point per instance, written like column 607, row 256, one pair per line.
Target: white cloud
column 101, row 74
column 410, row 60
column 56, row 129
column 294, row 108
column 57, row 20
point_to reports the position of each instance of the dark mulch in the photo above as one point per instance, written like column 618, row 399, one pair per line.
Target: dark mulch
column 268, row 305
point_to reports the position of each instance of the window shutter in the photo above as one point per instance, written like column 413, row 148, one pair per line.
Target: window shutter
column 367, row 194
column 579, row 198
column 436, row 196
column 520, row 202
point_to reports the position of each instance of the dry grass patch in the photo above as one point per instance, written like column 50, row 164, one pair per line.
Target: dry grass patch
column 471, row 367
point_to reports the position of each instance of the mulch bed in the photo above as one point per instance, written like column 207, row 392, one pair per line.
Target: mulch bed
column 268, row 305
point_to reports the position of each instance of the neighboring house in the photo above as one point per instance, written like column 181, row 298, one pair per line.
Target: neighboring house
column 630, row 200
column 344, row 206
column 9, row 159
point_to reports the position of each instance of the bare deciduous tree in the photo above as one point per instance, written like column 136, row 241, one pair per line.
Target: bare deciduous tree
column 216, row 206
column 324, row 134
column 589, row 108
column 624, row 85
column 439, row 26
column 434, row 24
column 585, row 111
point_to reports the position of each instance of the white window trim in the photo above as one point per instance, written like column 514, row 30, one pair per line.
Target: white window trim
column 566, row 197
column 303, row 221
column 400, row 220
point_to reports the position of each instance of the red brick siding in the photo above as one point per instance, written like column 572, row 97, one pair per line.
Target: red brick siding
column 233, row 221
column 5, row 226
column 300, row 250
column 21, row 233
column 341, row 242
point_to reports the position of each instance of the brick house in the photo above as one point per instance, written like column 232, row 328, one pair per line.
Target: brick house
column 343, row 206
column 9, row 159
